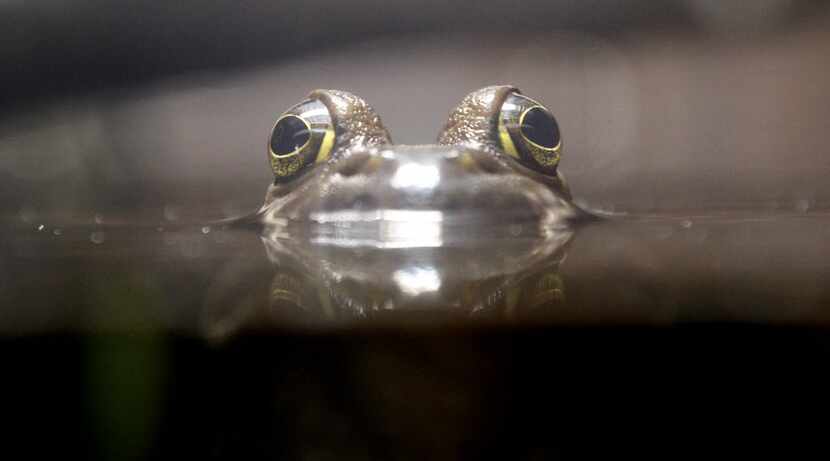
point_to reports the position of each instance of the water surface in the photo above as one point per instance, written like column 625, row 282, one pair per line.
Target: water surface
column 663, row 270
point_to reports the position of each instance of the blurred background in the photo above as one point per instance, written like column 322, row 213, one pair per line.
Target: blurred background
column 157, row 110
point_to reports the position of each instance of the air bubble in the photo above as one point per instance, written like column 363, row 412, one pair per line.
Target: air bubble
column 206, row 230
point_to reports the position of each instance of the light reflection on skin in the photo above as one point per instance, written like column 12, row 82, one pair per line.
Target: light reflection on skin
column 390, row 228
column 416, row 280
column 416, row 176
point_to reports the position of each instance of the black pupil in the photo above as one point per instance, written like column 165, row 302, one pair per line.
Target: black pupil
column 540, row 127
column 290, row 134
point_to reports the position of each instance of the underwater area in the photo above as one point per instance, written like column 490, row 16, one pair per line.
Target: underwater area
column 158, row 299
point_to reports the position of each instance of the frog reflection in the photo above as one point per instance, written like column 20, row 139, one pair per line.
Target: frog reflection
column 319, row 283
column 342, row 282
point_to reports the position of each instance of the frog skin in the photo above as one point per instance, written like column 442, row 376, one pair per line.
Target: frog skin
column 495, row 164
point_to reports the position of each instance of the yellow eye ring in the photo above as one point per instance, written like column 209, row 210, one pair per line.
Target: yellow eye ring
column 325, row 147
column 529, row 133
column 298, row 149
column 301, row 137
column 555, row 148
column 507, row 141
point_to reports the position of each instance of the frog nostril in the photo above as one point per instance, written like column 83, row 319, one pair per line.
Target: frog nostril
column 353, row 164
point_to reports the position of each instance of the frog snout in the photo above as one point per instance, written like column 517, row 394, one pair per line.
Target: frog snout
column 419, row 166
column 458, row 182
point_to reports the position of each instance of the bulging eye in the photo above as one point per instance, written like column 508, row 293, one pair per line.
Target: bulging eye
column 301, row 137
column 529, row 133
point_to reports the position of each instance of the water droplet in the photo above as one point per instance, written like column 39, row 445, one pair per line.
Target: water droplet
column 802, row 205
column 97, row 237
column 206, row 230
column 57, row 232
column 686, row 223
column 171, row 213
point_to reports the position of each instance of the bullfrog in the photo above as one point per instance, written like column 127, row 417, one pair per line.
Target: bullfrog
column 493, row 171
column 358, row 228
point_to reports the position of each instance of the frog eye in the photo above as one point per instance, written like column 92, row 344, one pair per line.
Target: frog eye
column 529, row 133
column 302, row 137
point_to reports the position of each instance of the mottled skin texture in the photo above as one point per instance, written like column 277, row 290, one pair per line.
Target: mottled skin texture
column 472, row 176
column 356, row 124
column 472, row 121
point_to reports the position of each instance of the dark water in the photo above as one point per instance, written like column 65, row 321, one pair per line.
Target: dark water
column 215, row 341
